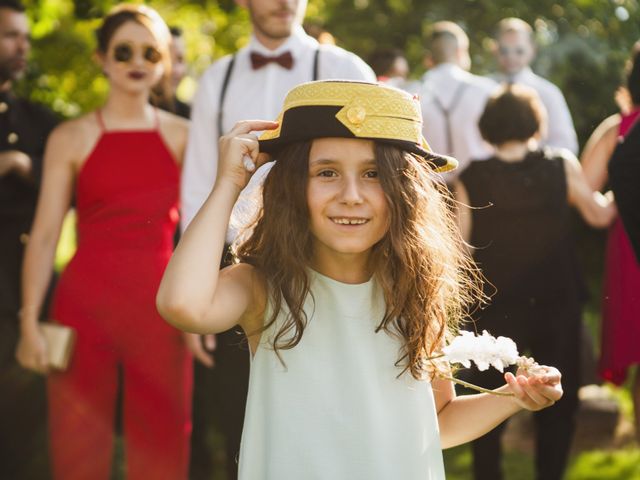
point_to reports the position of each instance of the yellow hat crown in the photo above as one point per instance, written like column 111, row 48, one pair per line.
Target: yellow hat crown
column 366, row 110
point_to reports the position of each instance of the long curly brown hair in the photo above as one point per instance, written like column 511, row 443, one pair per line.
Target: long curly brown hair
column 429, row 281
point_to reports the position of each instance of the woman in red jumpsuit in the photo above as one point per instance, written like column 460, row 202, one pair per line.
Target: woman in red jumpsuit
column 122, row 164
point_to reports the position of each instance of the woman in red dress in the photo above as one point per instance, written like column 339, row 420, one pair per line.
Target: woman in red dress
column 621, row 286
column 121, row 163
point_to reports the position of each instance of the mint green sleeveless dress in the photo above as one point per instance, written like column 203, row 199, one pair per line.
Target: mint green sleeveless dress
column 337, row 409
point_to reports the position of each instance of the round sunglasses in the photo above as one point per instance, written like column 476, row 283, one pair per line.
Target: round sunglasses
column 124, row 52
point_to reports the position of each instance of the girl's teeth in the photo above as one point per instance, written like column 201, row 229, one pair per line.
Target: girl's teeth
column 346, row 221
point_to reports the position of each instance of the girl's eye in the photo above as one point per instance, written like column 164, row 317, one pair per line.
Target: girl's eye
column 371, row 174
column 326, row 173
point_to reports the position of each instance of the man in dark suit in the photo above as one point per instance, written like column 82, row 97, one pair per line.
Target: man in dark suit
column 24, row 127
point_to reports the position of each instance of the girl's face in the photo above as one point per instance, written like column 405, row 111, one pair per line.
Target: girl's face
column 348, row 211
column 134, row 60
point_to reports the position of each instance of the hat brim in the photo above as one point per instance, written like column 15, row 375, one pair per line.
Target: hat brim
column 318, row 121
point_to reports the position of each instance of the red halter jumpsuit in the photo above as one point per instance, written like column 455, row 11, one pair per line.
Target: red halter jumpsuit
column 127, row 206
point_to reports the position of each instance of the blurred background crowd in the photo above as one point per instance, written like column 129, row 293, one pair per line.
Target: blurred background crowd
column 504, row 87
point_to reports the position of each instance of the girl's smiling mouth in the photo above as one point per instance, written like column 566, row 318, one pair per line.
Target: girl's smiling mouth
column 349, row 220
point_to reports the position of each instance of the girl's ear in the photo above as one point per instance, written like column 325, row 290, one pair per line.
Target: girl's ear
column 241, row 3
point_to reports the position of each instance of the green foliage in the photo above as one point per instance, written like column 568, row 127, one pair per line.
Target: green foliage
column 67, row 243
column 606, row 465
column 583, row 44
column 63, row 72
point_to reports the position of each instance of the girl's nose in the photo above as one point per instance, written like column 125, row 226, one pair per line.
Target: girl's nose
column 351, row 192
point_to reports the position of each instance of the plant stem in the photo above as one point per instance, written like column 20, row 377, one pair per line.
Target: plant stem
column 475, row 387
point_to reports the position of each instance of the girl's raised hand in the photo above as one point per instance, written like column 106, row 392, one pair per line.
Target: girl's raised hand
column 535, row 392
column 240, row 152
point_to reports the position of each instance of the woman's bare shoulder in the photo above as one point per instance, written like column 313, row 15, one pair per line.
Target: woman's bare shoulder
column 175, row 131
column 75, row 128
column 611, row 122
column 172, row 123
column 608, row 130
column 76, row 137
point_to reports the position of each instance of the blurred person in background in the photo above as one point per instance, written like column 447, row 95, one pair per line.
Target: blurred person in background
column 389, row 63
column 178, row 71
column 317, row 31
column 620, row 331
column 452, row 98
column 391, row 67
column 515, row 50
column 514, row 211
column 121, row 163
column 24, row 128
column 252, row 83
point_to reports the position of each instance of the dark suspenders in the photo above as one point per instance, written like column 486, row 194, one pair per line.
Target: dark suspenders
column 446, row 112
column 227, row 76
column 316, row 56
column 223, row 93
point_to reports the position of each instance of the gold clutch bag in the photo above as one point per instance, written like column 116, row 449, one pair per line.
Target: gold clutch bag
column 60, row 340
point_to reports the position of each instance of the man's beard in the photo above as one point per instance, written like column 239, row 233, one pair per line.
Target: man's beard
column 8, row 71
column 261, row 23
column 273, row 34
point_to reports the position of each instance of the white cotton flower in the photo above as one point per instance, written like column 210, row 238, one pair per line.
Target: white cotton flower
column 506, row 353
column 484, row 350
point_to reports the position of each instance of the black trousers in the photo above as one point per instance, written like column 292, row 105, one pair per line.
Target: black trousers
column 23, row 414
column 549, row 332
column 219, row 400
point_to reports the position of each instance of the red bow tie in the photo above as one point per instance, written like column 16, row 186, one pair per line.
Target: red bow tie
column 258, row 61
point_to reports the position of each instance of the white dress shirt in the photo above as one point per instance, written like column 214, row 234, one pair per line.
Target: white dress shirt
column 560, row 130
column 464, row 96
column 251, row 94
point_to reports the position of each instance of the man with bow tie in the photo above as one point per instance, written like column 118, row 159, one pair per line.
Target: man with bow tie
column 249, row 84
column 24, row 127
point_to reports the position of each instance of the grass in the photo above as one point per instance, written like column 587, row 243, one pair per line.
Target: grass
column 457, row 463
column 621, row 464
column 606, row 465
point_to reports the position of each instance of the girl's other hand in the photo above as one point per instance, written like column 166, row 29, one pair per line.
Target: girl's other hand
column 240, row 153
column 535, row 392
column 31, row 352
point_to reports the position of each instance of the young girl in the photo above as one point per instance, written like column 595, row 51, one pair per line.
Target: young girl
column 352, row 277
column 122, row 165
column 521, row 227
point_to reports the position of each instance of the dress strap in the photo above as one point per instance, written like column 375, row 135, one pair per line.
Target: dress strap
column 100, row 120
